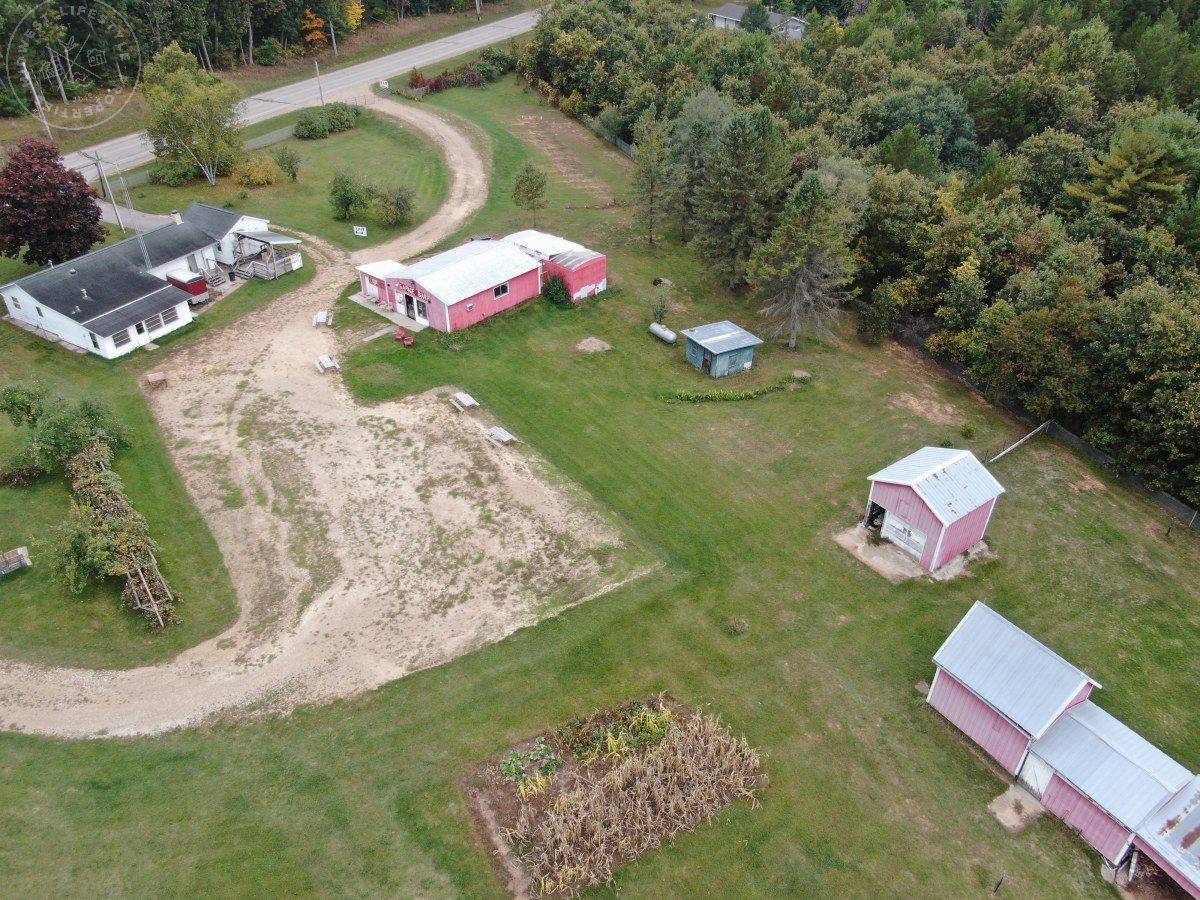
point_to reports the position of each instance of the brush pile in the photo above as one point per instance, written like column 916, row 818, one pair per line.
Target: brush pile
column 627, row 781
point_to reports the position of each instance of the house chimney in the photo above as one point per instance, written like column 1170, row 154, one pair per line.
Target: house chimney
column 176, row 217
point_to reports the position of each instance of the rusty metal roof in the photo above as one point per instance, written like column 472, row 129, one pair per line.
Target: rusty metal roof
column 1173, row 830
column 952, row 482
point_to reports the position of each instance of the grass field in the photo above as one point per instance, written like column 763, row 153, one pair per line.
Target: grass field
column 871, row 794
column 378, row 149
column 386, row 36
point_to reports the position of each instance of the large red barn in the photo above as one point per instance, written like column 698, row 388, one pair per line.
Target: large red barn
column 934, row 504
column 1001, row 687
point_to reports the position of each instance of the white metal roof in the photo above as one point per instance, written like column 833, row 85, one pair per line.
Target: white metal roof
column 1015, row 673
column 464, row 271
column 542, row 244
column 722, row 337
column 952, row 482
column 1110, row 763
column 1172, row 830
column 384, row 268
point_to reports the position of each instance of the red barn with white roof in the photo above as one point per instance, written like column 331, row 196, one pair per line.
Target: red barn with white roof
column 1170, row 836
column 934, row 504
column 584, row 271
column 1001, row 687
column 453, row 290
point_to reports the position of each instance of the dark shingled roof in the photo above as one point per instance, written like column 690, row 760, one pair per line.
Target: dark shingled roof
column 119, row 319
column 735, row 11
column 212, row 220
column 97, row 283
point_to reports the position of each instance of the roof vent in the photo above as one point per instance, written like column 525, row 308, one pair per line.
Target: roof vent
column 83, row 291
column 71, row 271
column 176, row 217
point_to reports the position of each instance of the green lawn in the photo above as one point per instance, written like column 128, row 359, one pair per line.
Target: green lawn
column 39, row 620
column 871, row 794
column 378, row 149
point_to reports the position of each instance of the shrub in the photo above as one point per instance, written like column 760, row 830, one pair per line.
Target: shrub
column 967, row 430
column 725, row 394
column 75, row 89
column 393, row 205
column 340, row 116
column 878, row 317
column 289, row 162
column 348, row 194
column 269, row 52
column 173, row 172
column 257, row 171
column 555, row 291
column 13, row 104
column 312, row 125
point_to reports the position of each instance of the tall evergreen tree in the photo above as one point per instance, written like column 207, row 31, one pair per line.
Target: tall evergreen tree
column 1135, row 173
column 652, row 170
column 804, row 269
column 738, row 203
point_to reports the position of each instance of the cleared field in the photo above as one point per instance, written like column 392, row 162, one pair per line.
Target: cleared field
column 871, row 794
column 378, row 149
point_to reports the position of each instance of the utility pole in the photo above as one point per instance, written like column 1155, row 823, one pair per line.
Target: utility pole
column 320, row 90
column 105, row 186
column 37, row 99
column 141, row 240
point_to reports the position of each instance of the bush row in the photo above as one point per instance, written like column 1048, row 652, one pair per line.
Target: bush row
column 491, row 64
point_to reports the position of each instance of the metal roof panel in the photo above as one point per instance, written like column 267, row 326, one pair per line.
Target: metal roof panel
column 952, row 482
column 721, row 337
column 1173, row 830
column 1014, row 672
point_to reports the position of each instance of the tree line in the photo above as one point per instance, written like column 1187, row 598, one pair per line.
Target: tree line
column 1012, row 182
column 69, row 56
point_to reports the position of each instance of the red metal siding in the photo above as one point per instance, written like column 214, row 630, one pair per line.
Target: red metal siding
column 1004, row 741
column 1192, row 887
column 1081, row 696
column 583, row 281
column 908, row 505
column 486, row 304
column 965, row 533
column 1094, row 825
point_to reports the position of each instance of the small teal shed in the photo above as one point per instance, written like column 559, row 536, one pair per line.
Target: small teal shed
column 720, row 348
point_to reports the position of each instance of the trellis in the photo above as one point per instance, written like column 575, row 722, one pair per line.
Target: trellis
column 113, row 517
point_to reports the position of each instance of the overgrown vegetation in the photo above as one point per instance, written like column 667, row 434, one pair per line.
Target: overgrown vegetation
column 686, row 395
column 105, row 536
column 634, row 777
column 322, row 121
column 492, row 63
column 1014, row 183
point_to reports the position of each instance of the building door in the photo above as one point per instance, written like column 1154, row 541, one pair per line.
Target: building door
column 372, row 289
column 902, row 534
column 706, row 363
column 422, row 315
column 193, row 264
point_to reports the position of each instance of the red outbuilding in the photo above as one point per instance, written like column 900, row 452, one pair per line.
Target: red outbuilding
column 934, row 504
column 584, row 271
column 1001, row 687
column 456, row 289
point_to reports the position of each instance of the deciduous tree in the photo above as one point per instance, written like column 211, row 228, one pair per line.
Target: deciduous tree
column 529, row 189
column 45, row 208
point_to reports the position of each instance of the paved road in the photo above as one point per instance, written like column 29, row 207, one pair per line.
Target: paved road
column 133, row 149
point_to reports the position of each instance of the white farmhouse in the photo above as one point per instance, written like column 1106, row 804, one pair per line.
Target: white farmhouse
column 122, row 296
column 729, row 16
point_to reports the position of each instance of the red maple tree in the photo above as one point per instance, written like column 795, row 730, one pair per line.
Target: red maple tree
column 45, row 208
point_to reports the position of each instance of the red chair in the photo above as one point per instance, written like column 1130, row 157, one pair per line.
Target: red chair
column 409, row 340
column 400, row 333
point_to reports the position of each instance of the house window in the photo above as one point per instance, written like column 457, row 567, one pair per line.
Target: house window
column 153, row 323
column 121, row 338
column 422, row 310
column 141, row 327
column 500, row 290
column 15, row 302
column 95, row 343
column 470, row 306
column 170, row 315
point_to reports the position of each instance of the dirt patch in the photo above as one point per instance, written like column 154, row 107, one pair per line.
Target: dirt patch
column 927, row 408
column 1087, row 484
column 895, row 564
column 1015, row 809
column 552, row 135
column 593, row 345
column 563, row 810
column 366, row 543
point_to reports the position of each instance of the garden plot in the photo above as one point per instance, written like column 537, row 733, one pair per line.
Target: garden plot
column 567, row 808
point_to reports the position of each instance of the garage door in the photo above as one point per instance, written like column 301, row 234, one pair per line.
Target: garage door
column 900, row 532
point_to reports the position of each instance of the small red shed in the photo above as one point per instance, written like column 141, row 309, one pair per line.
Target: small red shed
column 934, row 504
column 1001, row 687
column 584, row 271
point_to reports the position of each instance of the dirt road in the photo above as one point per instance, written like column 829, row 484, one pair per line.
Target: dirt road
column 365, row 543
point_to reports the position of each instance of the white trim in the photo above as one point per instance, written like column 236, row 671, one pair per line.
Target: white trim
column 1058, row 715
column 937, row 548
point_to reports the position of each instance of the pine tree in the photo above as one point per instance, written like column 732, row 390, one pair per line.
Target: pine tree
column 804, row 268
column 739, row 200
column 652, row 170
column 756, row 17
column 48, row 209
column 1135, row 173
